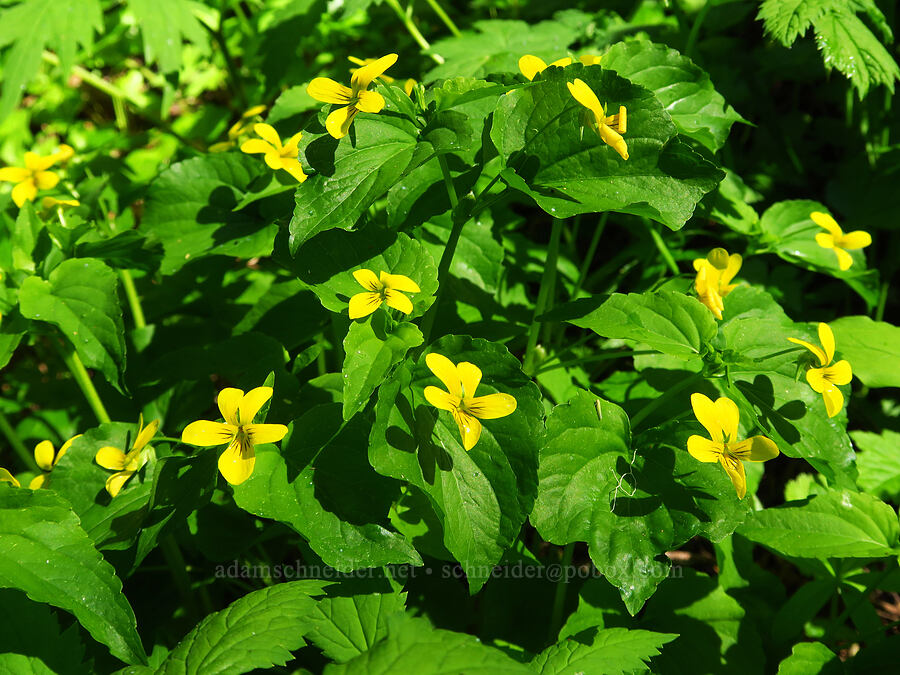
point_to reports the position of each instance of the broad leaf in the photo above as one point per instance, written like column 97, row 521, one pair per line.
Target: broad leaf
column 44, row 552
column 345, row 627
column 81, row 298
column 786, row 20
column 878, row 462
column 164, row 24
column 612, row 651
column 871, row 347
column 811, row 657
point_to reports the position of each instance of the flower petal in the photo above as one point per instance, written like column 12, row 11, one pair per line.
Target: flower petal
column 589, row 59
column 368, row 280
column 338, row 121
column 445, row 371
column 46, row 179
column 265, row 433
column 254, row 111
column 110, row 458
column 363, row 304
column 363, row 77
column 65, row 448
column 817, row 351
column 43, row 455
column 825, row 220
column 561, row 63
column 441, row 399
column 145, row 435
column 816, row 379
column 237, row 462
column 492, row 406
column 845, row 260
column 530, row 65
column 7, row 477
column 586, row 97
column 229, row 399
column 399, row 282
column 35, row 162
column 38, row 481
column 825, row 240
column 205, row 433
column 370, row 102
column 755, row 449
column 707, row 414
column 291, row 147
column 856, row 239
column 256, row 146
column 14, row 174
column 116, row 482
column 839, row 373
column 252, row 402
column 469, row 428
column 735, row 470
column 397, row 300
column 703, row 449
column 326, row 90
column 273, row 160
column 826, row 337
column 293, row 167
column 614, row 140
column 732, row 267
column 834, row 400
column 729, row 416
column 24, row 192
column 469, row 377
column 267, row 133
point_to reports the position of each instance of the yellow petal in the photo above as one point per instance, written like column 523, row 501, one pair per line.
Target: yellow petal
column 110, row 458
column 368, row 280
column 530, row 66
column 38, row 482
column 116, row 482
column 816, row 379
column 254, row 111
column 408, row 86
column 24, row 192
column 755, row 449
column 370, row 102
column 586, row 97
column 265, row 433
column 363, row 304
column 397, row 300
column 399, row 282
column 735, row 470
column 252, row 402
column 613, row 140
column 363, row 77
column 65, row 448
column 35, row 162
column 293, row 167
column 46, row 179
column 707, row 413
column 826, row 337
column 338, row 121
column 7, row 477
column 817, row 351
column 492, row 406
column 732, row 267
column 358, row 61
column 703, row 449
column 729, row 416
column 622, row 125
column 291, row 147
column 205, row 434
column 706, row 285
column 14, row 174
column 221, row 147
column 43, row 455
column 441, row 399
column 844, row 259
column 273, row 160
column 589, row 59
column 469, row 377
column 562, row 63
column 834, row 400
column 825, row 240
column 856, row 239
column 50, row 202
column 256, row 146
column 145, row 435
column 229, row 399
column 839, row 373
column 445, row 371
column 469, row 428
column 825, row 220
column 326, row 90
column 63, row 153
column 237, row 462
column 267, row 133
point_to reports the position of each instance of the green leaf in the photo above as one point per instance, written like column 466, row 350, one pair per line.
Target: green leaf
column 81, row 298
column 670, row 322
column 350, row 174
column 811, row 657
column 461, row 109
column 64, row 26
column 481, row 496
column 478, row 259
column 686, row 92
column 424, row 650
column 24, row 238
column 871, row 347
column 834, row 524
column 44, row 552
column 568, row 169
column 786, row 20
column 612, row 651
column 326, row 264
column 624, row 499
column 730, row 204
column 878, row 462
column 190, row 211
column 164, row 25
column 322, row 486
column 345, row 627
column 259, row 630
column 755, row 332
column 371, row 348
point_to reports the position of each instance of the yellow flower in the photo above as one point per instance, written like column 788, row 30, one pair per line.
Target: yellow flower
column 461, row 381
column 386, row 289
column 238, row 129
column 63, row 154
column 827, row 376
column 50, row 202
column 714, row 275
column 600, row 123
column 721, row 422
column 7, row 477
column 238, row 431
column 387, row 79
column 277, row 156
column 354, row 98
column 32, row 178
column 837, row 240
column 126, row 465
column 408, row 86
column 46, row 458
column 530, row 65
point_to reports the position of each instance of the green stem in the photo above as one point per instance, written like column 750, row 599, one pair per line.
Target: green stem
column 559, row 597
column 695, row 30
column 444, row 17
column 863, row 597
column 589, row 256
column 664, row 398
column 661, row 246
column 882, row 301
column 178, row 569
column 134, row 300
column 547, row 280
column 17, row 444
column 597, row 357
column 80, row 373
column 237, row 86
column 413, row 30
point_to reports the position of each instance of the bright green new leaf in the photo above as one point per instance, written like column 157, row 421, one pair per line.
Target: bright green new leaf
column 479, row 257
column 164, row 25
column 871, row 347
column 786, row 20
column 811, row 657
column 44, row 552
column 611, row 651
column 81, row 299
column 878, row 460
column 345, row 627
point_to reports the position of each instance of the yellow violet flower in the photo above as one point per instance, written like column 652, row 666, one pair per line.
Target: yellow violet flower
column 46, row 459
column 63, row 154
column 408, row 85
column 238, row 129
column 721, row 422
column 238, row 431
column 461, row 381
column 838, row 241
column 714, row 275
column 50, row 202
column 827, row 376
column 531, row 65
column 7, row 477
column 33, row 177
column 602, row 124
column 277, row 156
column 126, row 465
column 355, row 98
column 385, row 288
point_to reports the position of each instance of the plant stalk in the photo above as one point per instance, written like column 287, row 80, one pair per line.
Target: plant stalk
column 17, row 444
column 664, row 398
column 413, row 30
column 547, row 281
column 444, row 17
column 134, row 300
column 80, row 373
column 559, row 597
